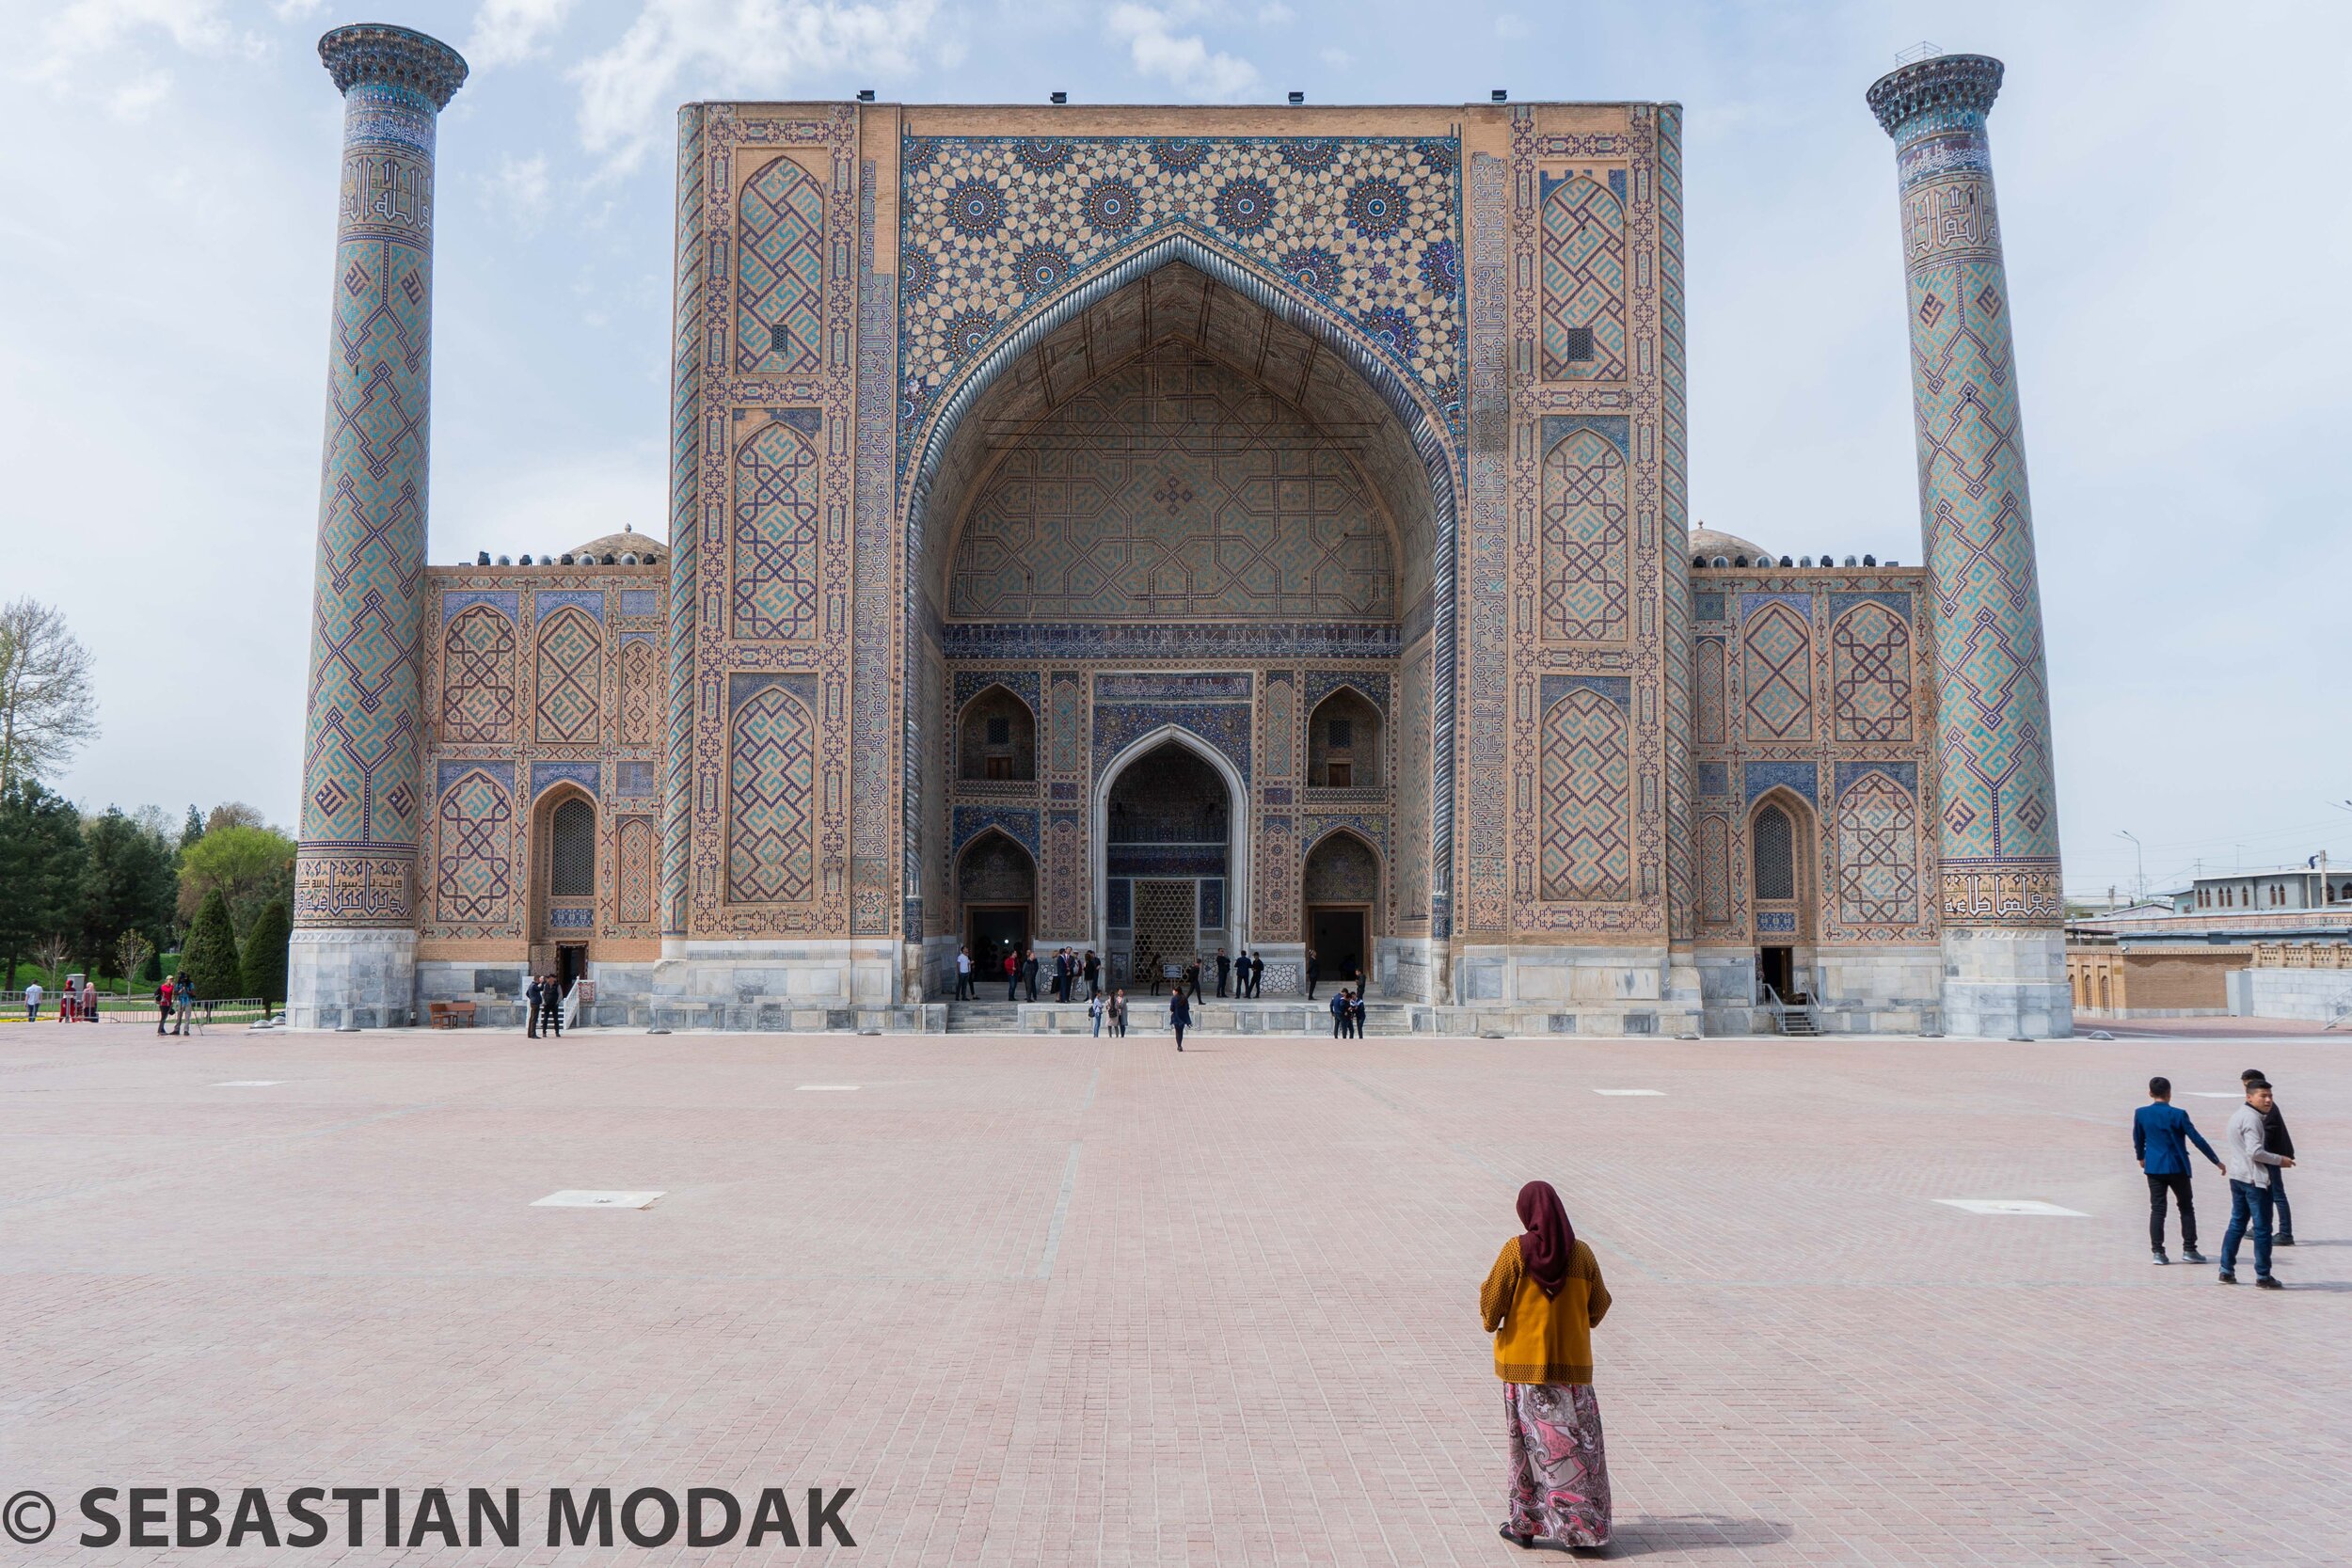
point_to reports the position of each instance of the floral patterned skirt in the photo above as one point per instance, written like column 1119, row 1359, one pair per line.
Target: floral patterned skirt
column 1559, row 1490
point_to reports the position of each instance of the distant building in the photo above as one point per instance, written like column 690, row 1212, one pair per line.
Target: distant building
column 2293, row 888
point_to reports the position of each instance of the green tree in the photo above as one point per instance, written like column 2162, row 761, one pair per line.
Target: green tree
column 246, row 865
column 265, row 952
column 46, row 709
column 210, row 957
column 41, row 868
column 129, row 885
column 191, row 830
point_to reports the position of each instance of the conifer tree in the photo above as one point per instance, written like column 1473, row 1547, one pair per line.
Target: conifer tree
column 265, row 954
column 209, row 958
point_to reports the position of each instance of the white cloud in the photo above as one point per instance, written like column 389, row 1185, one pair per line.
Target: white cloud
column 294, row 11
column 1185, row 62
column 683, row 47
column 135, row 99
column 505, row 31
column 1335, row 58
column 520, row 191
column 1510, row 26
column 1275, row 14
column 106, row 31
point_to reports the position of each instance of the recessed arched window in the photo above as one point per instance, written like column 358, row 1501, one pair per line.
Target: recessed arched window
column 1343, row 742
column 1775, row 854
column 572, row 850
column 997, row 738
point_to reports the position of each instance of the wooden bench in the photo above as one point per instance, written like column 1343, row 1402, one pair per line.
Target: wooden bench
column 452, row 1015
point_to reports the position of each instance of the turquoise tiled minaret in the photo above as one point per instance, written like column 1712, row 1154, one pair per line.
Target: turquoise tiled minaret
column 354, row 953
column 2004, row 947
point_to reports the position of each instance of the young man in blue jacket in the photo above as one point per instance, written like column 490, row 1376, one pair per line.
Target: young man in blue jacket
column 2160, row 1136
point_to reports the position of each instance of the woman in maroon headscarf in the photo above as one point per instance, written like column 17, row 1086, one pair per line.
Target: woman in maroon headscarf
column 1540, row 1301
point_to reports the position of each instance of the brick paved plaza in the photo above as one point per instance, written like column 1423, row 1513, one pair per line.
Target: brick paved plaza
column 1067, row 1302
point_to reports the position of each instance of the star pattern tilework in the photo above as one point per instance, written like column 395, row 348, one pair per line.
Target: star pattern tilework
column 990, row 227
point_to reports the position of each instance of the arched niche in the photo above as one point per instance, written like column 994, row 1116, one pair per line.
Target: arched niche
column 1343, row 742
column 1177, row 824
column 996, row 900
column 1783, row 886
column 997, row 737
column 1178, row 323
column 565, row 879
column 1339, row 904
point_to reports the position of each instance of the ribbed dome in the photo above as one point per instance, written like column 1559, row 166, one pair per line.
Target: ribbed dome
column 1711, row 543
column 617, row 545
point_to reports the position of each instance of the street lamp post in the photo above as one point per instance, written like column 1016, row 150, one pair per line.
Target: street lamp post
column 2140, row 858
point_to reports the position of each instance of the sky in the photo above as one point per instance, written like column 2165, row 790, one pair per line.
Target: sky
column 2170, row 179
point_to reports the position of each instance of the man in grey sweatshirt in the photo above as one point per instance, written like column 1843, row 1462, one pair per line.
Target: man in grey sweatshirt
column 2249, row 1165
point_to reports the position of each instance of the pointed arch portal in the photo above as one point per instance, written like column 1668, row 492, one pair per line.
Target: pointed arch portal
column 1178, row 444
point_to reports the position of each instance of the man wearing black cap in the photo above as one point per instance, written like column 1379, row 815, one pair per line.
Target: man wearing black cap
column 2276, row 1140
column 2249, row 1166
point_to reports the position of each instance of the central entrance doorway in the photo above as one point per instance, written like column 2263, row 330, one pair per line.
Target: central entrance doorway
column 1168, row 861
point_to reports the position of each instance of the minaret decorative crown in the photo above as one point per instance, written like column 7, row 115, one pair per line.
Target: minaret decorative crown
column 1943, row 81
column 376, row 52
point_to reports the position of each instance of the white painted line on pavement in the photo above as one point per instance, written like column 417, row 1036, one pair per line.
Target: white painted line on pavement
column 828, row 1089
column 250, row 1084
column 1630, row 1091
column 591, row 1198
column 2013, row 1206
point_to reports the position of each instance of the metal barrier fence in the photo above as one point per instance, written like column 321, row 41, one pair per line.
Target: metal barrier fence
column 233, row 1009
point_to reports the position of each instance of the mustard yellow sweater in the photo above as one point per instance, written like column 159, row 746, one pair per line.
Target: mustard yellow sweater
column 1541, row 1338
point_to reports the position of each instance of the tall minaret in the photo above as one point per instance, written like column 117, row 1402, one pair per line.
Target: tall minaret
column 352, row 959
column 2004, row 939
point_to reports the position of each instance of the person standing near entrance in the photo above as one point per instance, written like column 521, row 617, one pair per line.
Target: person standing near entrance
column 1179, row 1015
column 1257, row 973
column 534, row 999
column 1339, row 1016
column 1012, row 974
column 2275, row 1139
column 1094, row 976
column 1094, row 1011
column 1541, row 1302
column 1119, row 1014
column 1224, row 969
column 2249, row 1166
column 1315, row 970
column 964, row 975
column 554, row 997
column 1028, row 971
column 2158, row 1130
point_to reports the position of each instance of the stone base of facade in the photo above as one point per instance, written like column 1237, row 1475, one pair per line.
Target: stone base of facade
column 1856, row 990
column 2001, row 984
column 361, row 978
column 859, row 985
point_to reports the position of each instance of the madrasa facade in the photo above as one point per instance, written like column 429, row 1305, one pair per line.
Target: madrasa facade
column 1160, row 530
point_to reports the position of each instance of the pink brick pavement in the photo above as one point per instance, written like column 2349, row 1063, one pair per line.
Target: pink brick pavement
column 1068, row 1302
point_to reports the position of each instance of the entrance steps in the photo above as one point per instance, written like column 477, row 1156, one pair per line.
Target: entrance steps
column 1147, row 1014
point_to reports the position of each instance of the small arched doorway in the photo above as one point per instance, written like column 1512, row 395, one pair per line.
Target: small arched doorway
column 996, row 888
column 563, row 883
column 1169, row 864
column 1339, row 893
column 1780, row 855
